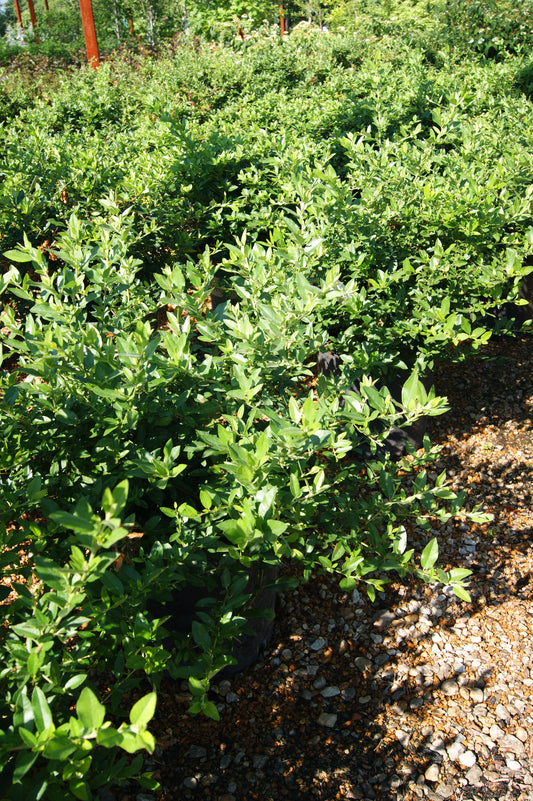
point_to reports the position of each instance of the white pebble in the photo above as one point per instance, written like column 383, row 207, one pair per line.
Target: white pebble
column 432, row 774
column 403, row 737
column 454, row 751
column 468, row 759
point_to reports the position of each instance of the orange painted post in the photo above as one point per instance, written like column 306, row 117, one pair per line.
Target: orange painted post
column 282, row 20
column 19, row 18
column 33, row 20
column 89, row 32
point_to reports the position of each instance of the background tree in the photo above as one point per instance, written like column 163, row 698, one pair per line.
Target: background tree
column 7, row 17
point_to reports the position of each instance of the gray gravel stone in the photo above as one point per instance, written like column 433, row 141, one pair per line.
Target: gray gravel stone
column 450, row 687
column 330, row 692
column 318, row 644
column 496, row 733
column 444, row 790
column 327, row 719
column 383, row 620
column 511, row 743
column 474, row 775
column 502, row 713
column 403, row 737
column 196, row 752
column 521, row 734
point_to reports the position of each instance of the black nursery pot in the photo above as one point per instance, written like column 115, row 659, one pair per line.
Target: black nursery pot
column 182, row 609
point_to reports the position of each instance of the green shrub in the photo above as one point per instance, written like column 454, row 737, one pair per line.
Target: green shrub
column 491, row 28
column 110, row 422
column 196, row 229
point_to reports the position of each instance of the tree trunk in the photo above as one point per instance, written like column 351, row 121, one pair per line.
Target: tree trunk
column 150, row 22
column 116, row 22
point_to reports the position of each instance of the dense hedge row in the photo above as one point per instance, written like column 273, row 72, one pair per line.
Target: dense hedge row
column 181, row 238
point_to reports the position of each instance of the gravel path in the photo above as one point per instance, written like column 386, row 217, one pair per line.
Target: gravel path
column 419, row 695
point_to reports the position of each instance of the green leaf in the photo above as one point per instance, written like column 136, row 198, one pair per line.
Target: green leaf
column 109, row 737
column 444, row 493
column 114, row 501
column 28, row 629
column 91, row 712
column 143, row 711
column 201, row 635
column 294, row 485
column 41, row 710
column 79, row 789
column 17, row 255
column 374, row 398
column 5, row 592
column 147, row 781
column 75, row 681
column 386, row 483
column 462, row 593
column 480, row 517
column 187, row 512
column 73, row 522
column 35, row 660
column 265, row 498
column 410, row 391
column 459, row 573
column 25, row 761
column 198, row 687
column 205, row 499
column 51, row 574
column 131, row 742
column 430, row 554
column 209, row 709
column 112, row 583
column 146, row 740
column 400, row 543
column 320, row 477
column 27, row 737
column 23, row 714
column 60, row 747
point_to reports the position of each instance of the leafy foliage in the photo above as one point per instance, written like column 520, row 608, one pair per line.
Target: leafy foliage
column 181, row 237
column 491, row 28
